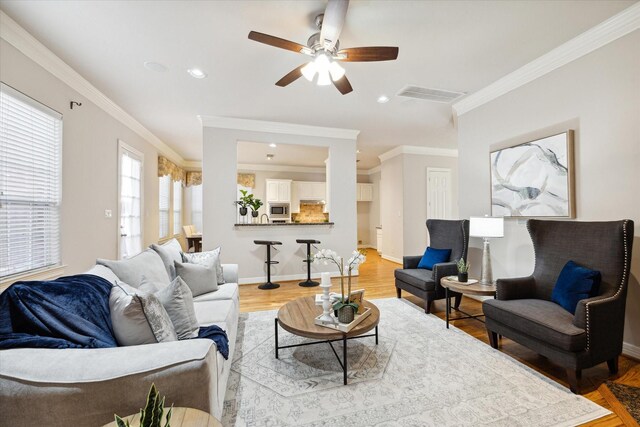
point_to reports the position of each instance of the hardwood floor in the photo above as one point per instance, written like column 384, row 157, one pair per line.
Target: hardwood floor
column 376, row 277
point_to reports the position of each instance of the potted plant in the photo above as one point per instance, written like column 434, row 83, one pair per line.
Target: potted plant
column 255, row 204
column 151, row 415
column 244, row 202
column 463, row 270
column 344, row 307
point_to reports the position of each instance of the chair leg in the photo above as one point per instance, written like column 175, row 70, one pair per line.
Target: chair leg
column 427, row 306
column 493, row 339
column 573, row 378
column 457, row 301
column 613, row 365
column 399, row 292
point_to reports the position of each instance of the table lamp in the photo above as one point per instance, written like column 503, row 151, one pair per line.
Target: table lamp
column 486, row 227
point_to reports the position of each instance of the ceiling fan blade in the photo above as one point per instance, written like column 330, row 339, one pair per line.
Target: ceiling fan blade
column 332, row 22
column 343, row 85
column 277, row 42
column 291, row 77
column 365, row 54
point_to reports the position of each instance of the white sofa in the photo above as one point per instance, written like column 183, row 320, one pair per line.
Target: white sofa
column 52, row 387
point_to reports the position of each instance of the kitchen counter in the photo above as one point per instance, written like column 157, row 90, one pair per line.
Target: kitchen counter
column 285, row 224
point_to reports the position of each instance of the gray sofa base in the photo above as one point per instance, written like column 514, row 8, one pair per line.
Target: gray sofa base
column 427, row 296
column 573, row 362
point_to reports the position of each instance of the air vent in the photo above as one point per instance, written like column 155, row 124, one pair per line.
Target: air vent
column 436, row 95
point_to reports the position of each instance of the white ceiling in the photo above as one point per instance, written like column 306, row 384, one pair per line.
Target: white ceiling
column 456, row 45
column 255, row 153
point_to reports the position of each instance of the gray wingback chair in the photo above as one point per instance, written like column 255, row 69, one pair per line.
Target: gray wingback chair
column 443, row 234
column 523, row 310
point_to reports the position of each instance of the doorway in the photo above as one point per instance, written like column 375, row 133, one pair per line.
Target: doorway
column 130, row 200
column 438, row 193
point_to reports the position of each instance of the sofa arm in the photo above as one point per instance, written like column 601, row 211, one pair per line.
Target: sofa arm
column 230, row 272
column 603, row 319
column 35, row 384
column 516, row 288
column 411, row 262
column 444, row 269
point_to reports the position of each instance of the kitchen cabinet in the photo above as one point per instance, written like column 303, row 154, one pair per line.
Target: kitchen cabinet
column 278, row 190
column 306, row 190
column 364, row 192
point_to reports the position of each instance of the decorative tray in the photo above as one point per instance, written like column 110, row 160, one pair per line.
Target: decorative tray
column 344, row 327
column 467, row 283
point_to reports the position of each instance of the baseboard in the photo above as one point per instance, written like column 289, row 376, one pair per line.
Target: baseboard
column 631, row 350
column 392, row 259
column 286, row 277
column 366, row 247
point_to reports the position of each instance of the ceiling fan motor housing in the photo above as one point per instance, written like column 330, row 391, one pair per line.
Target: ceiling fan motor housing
column 316, row 45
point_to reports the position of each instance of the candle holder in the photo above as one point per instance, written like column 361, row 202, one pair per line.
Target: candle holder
column 326, row 300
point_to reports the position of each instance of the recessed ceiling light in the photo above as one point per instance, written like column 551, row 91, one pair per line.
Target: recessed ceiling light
column 272, row 145
column 270, row 156
column 383, row 99
column 197, row 73
column 155, row 66
column 358, row 151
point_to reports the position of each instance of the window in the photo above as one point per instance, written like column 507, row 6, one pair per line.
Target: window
column 131, row 166
column 177, row 207
column 196, row 207
column 165, row 197
column 30, row 190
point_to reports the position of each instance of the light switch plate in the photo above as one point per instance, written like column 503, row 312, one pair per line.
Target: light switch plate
column 108, row 213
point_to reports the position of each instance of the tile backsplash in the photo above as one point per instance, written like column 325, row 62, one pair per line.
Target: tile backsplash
column 310, row 213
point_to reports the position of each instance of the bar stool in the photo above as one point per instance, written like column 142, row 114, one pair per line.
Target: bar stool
column 308, row 283
column 268, row 244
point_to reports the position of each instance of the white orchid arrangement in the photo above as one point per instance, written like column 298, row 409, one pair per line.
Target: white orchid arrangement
column 328, row 256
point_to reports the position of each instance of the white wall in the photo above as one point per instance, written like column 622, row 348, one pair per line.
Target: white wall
column 89, row 164
column 391, row 208
column 598, row 95
column 374, row 209
column 219, row 180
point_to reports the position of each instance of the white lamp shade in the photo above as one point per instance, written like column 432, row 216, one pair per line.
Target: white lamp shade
column 486, row 226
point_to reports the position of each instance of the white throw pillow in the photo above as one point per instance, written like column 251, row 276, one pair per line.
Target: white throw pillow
column 201, row 279
column 138, row 318
column 147, row 263
column 170, row 252
column 206, row 258
column 177, row 299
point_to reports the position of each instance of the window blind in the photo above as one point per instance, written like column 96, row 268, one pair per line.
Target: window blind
column 196, row 206
column 164, row 200
column 30, row 189
column 177, row 207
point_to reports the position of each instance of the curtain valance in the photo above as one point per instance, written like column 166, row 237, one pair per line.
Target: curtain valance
column 167, row 167
column 194, row 178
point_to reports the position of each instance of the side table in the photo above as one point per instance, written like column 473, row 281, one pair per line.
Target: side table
column 473, row 287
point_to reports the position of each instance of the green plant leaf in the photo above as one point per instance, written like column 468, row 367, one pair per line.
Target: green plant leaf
column 168, row 417
column 121, row 423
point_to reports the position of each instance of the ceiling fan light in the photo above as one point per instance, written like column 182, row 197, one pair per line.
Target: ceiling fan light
column 336, row 71
column 322, row 62
column 323, row 78
column 309, row 71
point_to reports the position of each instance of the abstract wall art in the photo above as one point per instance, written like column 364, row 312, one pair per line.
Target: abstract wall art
column 534, row 179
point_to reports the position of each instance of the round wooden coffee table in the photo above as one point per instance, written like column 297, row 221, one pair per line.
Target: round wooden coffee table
column 451, row 283
column 298, row 317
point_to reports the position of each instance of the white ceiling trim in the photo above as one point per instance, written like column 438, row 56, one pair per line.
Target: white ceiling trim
column 604, row 33
column 17, row 36
column 277, row 127
column 279, row 168
column 424, row 151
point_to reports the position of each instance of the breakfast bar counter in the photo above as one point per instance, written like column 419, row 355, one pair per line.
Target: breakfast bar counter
column 285, row 224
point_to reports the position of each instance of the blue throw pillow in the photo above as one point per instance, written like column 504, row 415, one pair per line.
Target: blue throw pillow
column 575, row 283
column 434, row 256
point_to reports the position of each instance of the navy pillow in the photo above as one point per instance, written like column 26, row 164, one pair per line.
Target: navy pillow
column 434, row 256
column 575, row 283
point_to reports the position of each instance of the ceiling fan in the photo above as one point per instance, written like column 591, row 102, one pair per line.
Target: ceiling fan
column 324, row 48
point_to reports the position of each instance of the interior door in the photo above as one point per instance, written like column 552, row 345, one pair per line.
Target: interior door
column 438, row 193
column 130, row 173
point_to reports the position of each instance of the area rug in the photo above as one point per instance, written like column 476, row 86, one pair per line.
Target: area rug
column 420, row 374
column 624, row 400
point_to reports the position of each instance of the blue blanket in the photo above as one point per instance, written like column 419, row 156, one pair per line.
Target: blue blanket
column 70, row 312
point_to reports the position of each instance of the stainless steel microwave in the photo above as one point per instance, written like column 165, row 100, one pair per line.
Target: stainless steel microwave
column 280, row 209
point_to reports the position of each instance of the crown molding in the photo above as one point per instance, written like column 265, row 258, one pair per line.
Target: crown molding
column 280, row 168
column 277, row 127
column 19, row 38
column 423, row 151
column 373, row 170
column 192, row 165
column 602, row 34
